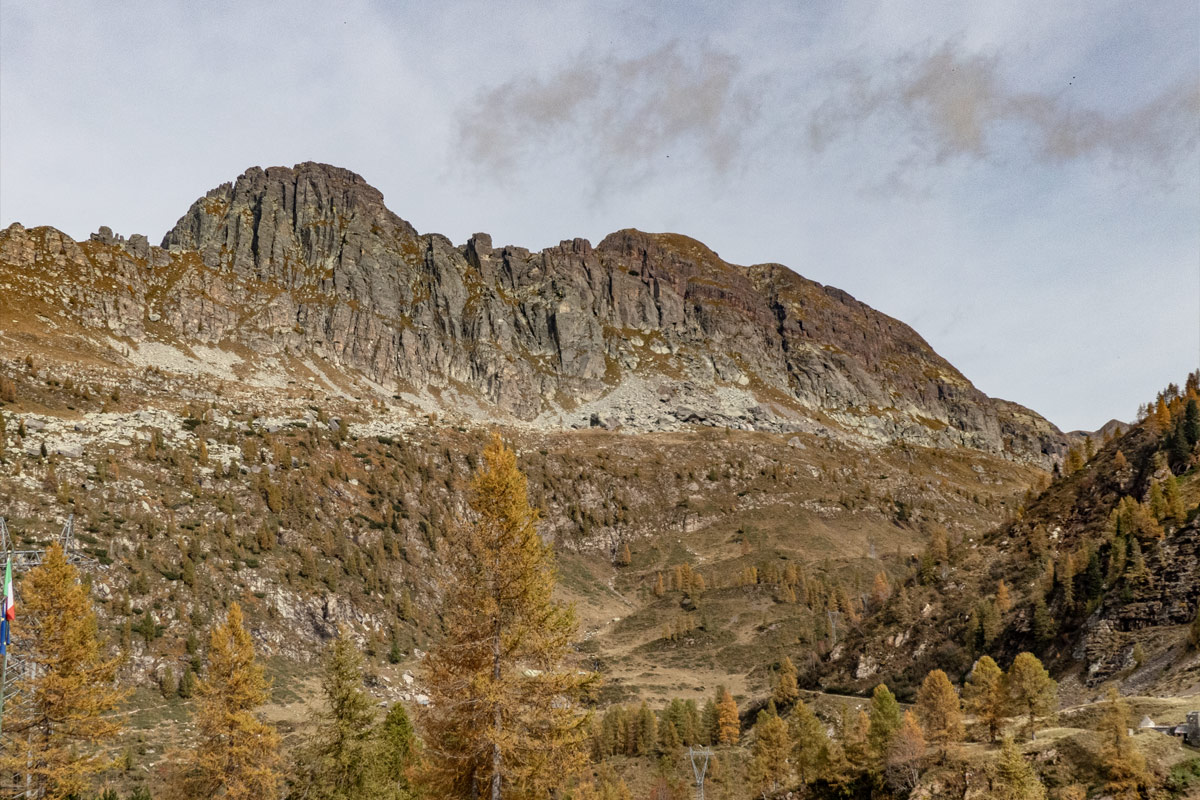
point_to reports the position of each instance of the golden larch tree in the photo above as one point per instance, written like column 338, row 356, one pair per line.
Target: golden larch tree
column 986, row 696
column 1012, row 778
column 787, row 691
column 769, row 768
column 1031, row 690
column 939, row 711
column 1123, row 763
column 504, row 718
column 60, row 718
column 854, row 728
column 237, row 755
column 1003, row 598
column 728, row 727
column 881, row 590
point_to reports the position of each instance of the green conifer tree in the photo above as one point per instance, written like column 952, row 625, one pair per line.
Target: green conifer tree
column 810, row 743
column 1191, row 422
column 344, row 758
column 401, row 750
column 885, row 722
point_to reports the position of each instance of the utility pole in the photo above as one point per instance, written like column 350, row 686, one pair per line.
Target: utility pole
column 699, row 760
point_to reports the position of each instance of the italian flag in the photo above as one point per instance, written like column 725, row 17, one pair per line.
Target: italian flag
column 10, row 606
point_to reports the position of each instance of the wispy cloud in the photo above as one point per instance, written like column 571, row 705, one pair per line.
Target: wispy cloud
column 950, row 104
column 621, row 116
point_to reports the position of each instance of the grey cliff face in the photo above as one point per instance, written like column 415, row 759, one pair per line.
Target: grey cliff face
column 309, row 260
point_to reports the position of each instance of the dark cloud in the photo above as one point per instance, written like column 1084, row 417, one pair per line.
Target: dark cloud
column 620, row 116
column 954, row 104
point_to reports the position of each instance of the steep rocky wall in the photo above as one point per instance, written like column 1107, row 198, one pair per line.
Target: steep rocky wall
column 310, row 260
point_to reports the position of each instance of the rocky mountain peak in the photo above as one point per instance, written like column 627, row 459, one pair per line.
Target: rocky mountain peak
column 274, row 223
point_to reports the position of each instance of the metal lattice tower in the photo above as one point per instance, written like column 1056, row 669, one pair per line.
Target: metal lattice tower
column 28, row 558
column 16, row 667
column 699, row 760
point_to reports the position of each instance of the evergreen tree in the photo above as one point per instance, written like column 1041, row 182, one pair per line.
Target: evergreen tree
column 1093, row 577
column 985, row 695
column 1123, row 763
column 1191, row 422
column 401, row 750
column 187, row 683
column 939, row 711
column 669, row 740
column 769, row 761
column 1173, row 502
column 728, row 727
column 1045, row 626
column 810, row 743
column 1031, row 689
column 236, row 756
column 885, row 722
column 645, row 732
column 1178, row 449
column 344, row 758
column 1013, row 778
column 60, row 717
column 786, row 690
column 168, row 683
column 504, row 718
column 708, row 723
column 1155, row 501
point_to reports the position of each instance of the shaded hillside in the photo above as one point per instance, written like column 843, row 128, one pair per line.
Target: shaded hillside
column 1101, row 574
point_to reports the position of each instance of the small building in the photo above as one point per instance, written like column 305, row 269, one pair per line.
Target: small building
column 1189, row 731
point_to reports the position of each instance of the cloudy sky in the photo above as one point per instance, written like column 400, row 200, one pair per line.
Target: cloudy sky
column 1020, row 181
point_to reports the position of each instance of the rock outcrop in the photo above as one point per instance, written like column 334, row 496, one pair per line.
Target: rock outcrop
column 643, row 330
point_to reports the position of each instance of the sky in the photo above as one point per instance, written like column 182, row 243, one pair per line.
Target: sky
column 1019, row 181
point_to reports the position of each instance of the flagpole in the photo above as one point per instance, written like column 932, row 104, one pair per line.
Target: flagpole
column 4, row 606
column 3, row 675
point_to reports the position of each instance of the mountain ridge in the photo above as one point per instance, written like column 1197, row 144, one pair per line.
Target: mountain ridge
column 643, row 331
